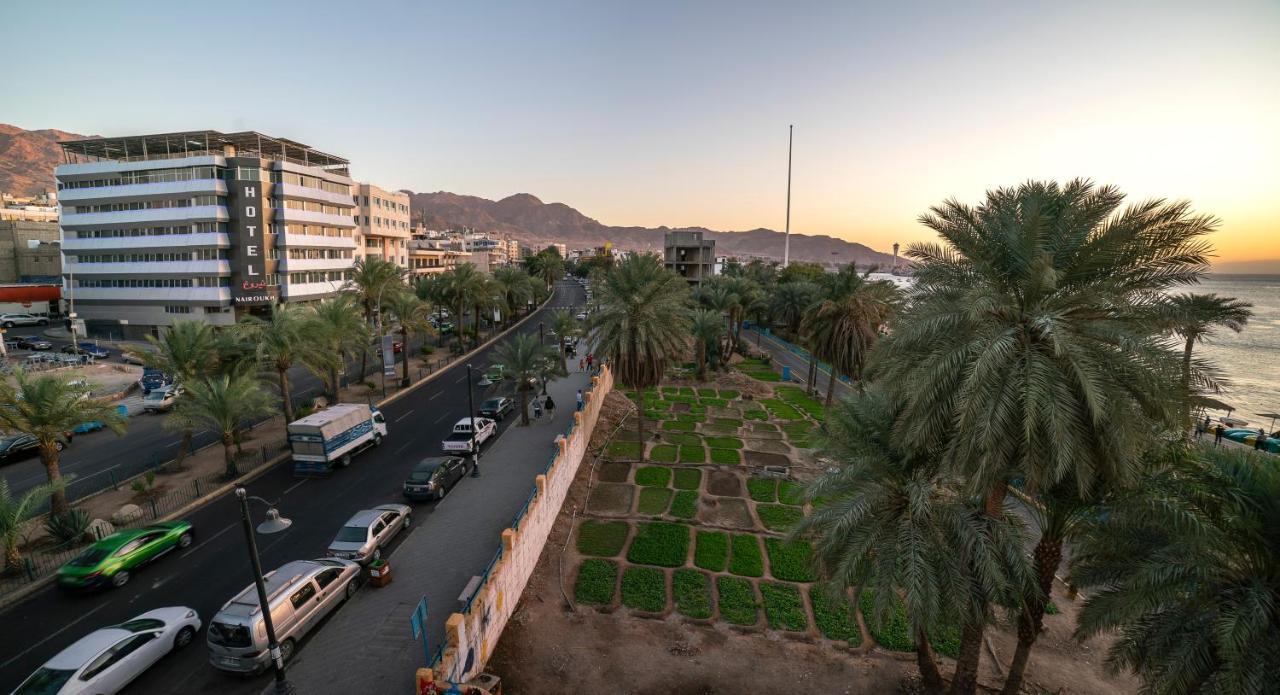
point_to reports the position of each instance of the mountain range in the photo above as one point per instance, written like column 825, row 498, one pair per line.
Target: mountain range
column 28, row 157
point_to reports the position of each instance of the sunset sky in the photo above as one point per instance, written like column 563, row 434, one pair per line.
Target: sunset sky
column 676, row 113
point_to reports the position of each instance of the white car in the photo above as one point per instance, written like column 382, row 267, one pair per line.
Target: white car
column 161, row 400
column 11, row 320
column 362, row 537
column 105, row 661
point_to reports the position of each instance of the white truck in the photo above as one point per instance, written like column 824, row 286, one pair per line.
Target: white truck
column 329, row 438
column 460, row 441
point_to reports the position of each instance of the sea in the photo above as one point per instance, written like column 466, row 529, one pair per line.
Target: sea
column 1250, row 360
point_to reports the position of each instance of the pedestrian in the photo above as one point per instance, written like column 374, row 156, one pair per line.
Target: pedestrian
column 579, row 399
column 590, row 358
column 537, row 409
column 582, row 365
column 1217, row 435
column 1260, row 441
column 550, row 405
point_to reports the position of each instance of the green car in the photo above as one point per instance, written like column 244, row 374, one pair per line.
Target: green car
column 110, row 561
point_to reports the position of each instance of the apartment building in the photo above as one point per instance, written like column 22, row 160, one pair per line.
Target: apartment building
column 428, row 258
column 200, row 225
column 691, row 256
column 29, row 252
column 382, row 224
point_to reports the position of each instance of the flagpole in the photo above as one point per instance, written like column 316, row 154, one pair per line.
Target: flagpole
column 786, row 237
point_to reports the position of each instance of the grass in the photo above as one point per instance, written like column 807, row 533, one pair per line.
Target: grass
column 688, row 479
column 790, row 493
column 799, row 399
column 738, row 603
column 663, row 453
column 693, row 454
column 724, row 442
column 834, row 616
column 685, row 504
column 718, row 402
column 792, row 562
column 653, row 500
column 746, row 560
column 726, row 457
column 707, row 392
column 602, row 538
column 728, row 394
column 712, row 550
column 678, row 425
column 687, row 391
column 762, row 489
column 645, row 589
column 783, row 606
column 670, row 390
column 754, row 415
column 781, row 409
column 777, row 517
column 630, row 450
column 727, row 423
column 657, row 476
column 759, row 373
column 682, row 438
column 799, row 433
column 692, row 590
column 595, row 581
column 894, row 632
column 660, row 543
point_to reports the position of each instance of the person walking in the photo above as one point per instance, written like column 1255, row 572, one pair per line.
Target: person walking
column 537, row 409
column 582, row 364
column 1260, row 441
column 1217, row 435
column 580, row 398
column 550, row 405
column 590, row 358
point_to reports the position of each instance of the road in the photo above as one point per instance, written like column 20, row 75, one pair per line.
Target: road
column 216, row 567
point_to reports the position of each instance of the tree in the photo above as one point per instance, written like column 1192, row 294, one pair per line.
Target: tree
column 1194, row 317
column 48, row 407
column 371, row 279
column 798, row 271
column 463, row 284
column 515, row 287
column 642, row 323
column 223, row 404
column 846, row 321
column 336, row 330
column 564, row 325
column 411, row 314
column 790, row 301
column 746, row 295
column 718, row 297
column 546, row 265
column 434, row 289
column 14, row 515
column 706, row 326
column 1028, row 349
column 524, row 361
column 186, row 351
column 1184, row 570
column 279, row 342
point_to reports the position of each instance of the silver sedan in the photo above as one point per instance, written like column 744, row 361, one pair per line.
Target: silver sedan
column 362, row 537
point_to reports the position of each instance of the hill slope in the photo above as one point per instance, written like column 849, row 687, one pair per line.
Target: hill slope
column 27, row 159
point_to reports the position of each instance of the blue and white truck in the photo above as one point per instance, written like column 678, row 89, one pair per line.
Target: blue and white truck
column 329, row 438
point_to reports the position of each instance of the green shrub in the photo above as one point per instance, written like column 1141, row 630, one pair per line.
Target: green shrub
column 1051, row 608
column 754, row 415
column 693, row 454
column 670, row 390
column 777, row 517
column 644, row 588
column 706, row 392
column 72, row 527
column 687, row 479
column 678, row 425
column 660, row 543
column 726, row 457
column 682, row 438
column 657, row 476
column 687, row 391
column 762, row 489
column 724, row 442
column 653, row 500
column 728, row 394
column 894, row 631
column 834, row 616
column 792, row 562
column 737, row 602
column 746, row 560
column 727, row 423
column 595, row 581
column 781, row 410
column 685, row 504
column 692, row 591
column 663, row 453
column 603, row 538
column 712, row 550
column 145, row 487
column 782, row 606
column 627, row 450
column 791, row 493
column 718, row 402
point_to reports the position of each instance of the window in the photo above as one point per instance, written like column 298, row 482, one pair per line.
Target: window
column 173, row 309
column 113, row 655
column 302, row 595
column 379, row 527
column 325, row 578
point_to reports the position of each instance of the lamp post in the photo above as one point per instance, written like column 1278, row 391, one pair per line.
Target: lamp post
column 274, row 524
column 471, row 407
column 541, row 342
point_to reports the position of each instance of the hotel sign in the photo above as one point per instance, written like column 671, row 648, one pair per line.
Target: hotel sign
column 247, row 229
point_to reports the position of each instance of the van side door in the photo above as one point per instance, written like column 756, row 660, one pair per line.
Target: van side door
column 331, row 590
column 304, row 601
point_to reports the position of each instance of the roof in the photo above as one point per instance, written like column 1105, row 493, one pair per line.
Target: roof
column 165, row 145
column 321, row 417
column 365, row 517
column 245, row 604
column 82, row 650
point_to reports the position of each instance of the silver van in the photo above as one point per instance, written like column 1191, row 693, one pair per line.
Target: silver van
column 300, row 594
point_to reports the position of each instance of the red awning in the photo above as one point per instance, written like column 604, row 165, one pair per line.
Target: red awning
column 30, row 293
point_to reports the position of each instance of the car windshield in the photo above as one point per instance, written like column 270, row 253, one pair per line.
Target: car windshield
column 226, row 635
column 353, row 534
column 89, row 557
column 142, row 625
column 491, row 404
column 156, row 395
column 46, row 681
column 423, row 472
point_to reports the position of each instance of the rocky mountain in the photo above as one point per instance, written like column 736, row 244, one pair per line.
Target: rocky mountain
column 27, row 159
column 531, row 221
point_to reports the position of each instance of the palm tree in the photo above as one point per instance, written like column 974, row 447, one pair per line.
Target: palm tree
column 515, row 287
column 546, row 265
column 371, row 279
column 790, row 301
column 846, row 321
column 186, row 351
column 524, row 361
column 564, row 325
column 223, row 404
column 642, row 323
column 718, row 296
column 1194, row 317
column 279, row 341
column 1028, row 351
column 434, row 289
column 336, row 330
column 47, row 407
column 411, row 314
column 746, row 294
column 14, row 515
column 1184, row 573
column 464, row 286
column 707, row 326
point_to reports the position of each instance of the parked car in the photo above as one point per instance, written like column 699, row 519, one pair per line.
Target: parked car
column 11, row 320
column 582, row 316
column 153, row 379
column 434, row 477
column 33, row 342
column 302, row 593
column 87, row 349
column 20, row 446
column 90, row 426
column 496, row 408
column 494, row 373
column 362, row 537
column 129, row 357
column 161, row 400
column 461, row 438
column 104, row 661
column 113, row 560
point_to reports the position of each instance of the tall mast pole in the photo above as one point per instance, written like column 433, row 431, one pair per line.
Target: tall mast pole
column 786, row 236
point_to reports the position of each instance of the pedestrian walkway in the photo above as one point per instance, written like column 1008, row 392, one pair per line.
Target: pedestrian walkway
column 367, row 647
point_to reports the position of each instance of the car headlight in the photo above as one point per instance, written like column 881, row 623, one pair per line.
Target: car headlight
column 190, row 614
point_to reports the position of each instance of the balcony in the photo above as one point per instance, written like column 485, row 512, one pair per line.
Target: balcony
column 142, row 191
column 144, row 269
column 146, row 218
column 94, row 170
column 314, row 241
column 139, row 243
column 310, row 290
column 295, row 264
column 153, row 294
column 285, row 215
column 293, row 190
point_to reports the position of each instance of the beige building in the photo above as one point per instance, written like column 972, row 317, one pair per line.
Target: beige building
column 426, row 258
column 691, row 256
column 382, row 223
column 29, row 251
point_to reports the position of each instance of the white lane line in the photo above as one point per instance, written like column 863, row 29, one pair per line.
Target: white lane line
column 402, row 447
column 404, row 416
column 64, row 628
column 293, row 487
column 206, row 541
column 460, row 379
column 445, row 415
column 437, row 395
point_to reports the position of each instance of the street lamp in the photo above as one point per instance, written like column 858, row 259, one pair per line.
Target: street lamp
column 471, row 406
column 540, row 340
column 274, row 524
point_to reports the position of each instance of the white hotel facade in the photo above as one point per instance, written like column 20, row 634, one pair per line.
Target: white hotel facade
column 199, row 225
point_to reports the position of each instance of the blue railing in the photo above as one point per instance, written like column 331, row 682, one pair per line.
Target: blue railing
column 792, row 348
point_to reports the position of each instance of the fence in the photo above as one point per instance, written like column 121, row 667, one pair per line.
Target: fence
column 794, row 349
column 472, row 634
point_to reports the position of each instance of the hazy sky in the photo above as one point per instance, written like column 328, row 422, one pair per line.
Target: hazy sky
column 653, row 113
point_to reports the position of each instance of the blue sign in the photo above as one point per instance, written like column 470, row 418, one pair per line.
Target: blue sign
column 418, row 622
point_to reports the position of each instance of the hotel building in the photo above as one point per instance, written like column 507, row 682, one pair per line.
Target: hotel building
column 382, row 224
column 199, row 225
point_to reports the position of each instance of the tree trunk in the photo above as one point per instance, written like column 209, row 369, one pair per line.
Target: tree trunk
column 364, row 361
column 284, row 393
column 965, row 681
column 524, row 406
column 459, row 327
column 404, row 356
column 702, row 361
column 12, row 558
column 831, row 385
column 811, row 378
column 925, row 660
column 332, row 386
column 228, row 457
column 49, row 456
column 1186, row 383
column 184, row 448
column 640, row 424
column 1047, row 555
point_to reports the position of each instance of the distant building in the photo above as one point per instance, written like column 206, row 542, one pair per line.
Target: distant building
column 564, row 250
column 689, row 255
column 30, row 252
column 40, row 208
column 425, row 258
column 382, row 224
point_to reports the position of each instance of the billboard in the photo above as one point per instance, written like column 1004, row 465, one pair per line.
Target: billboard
column 246, row 201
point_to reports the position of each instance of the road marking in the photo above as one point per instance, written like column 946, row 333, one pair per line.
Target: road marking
column 402, row 446
column 404, row 416
column 460, row 379
column 435, row 396
column 206, row 541
column 440, row 418
column 293, row 487
column 64, row 628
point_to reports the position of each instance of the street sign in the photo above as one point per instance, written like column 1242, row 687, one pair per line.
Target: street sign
column 418, row 622
column 388, row 356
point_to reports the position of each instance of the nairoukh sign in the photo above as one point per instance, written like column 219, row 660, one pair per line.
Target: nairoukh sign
column 248, row 229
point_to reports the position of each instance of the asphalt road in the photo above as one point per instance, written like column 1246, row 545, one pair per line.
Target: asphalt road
column 216, row 567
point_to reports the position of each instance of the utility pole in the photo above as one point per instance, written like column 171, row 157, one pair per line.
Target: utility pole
column 786, row 236
column 471, row 405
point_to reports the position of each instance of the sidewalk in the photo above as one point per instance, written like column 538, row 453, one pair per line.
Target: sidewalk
column 367, row 646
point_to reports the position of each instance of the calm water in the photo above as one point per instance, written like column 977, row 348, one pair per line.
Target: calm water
column 1250, row 360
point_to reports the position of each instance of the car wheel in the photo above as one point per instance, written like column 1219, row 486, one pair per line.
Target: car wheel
column 43, row 322
column 344, row 461
column 184, row 541
column 377, row 440
column 351, row 588
column 184, row 637
column 120, row 578
column 286, row 650
column 8, row 324
column 408, row 520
